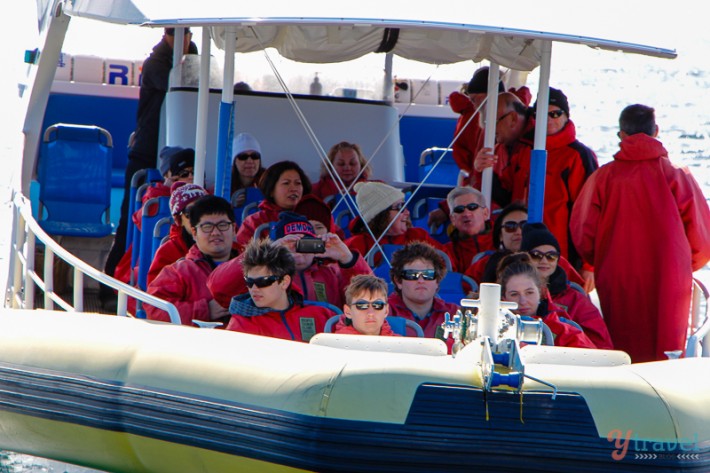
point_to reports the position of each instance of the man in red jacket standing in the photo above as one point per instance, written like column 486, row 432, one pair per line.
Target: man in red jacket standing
column 645, row 226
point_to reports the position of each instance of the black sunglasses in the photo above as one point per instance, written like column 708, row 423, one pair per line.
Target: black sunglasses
column 185, row 173
column 261, row 282
column 551, row 256
column 472, row 207
column 397, row 207
column 554, row 113
column 244, row 156
column 364, row 305
column 511, row 226
column 414, row 274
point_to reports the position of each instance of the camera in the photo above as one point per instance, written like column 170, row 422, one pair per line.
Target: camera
column 310, row 245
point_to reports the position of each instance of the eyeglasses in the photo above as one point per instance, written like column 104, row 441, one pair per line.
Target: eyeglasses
column 362, row 304
column 550, row 256
column 397, row 207
column 554, row 113
column 185, row 173
column 511, row 226
column 472, row 207
column 244, row 156
column 261, row 282
column 415, row 274
column 222, row 226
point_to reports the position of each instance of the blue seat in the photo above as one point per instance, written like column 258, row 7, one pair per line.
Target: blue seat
column 74, row 176
column 160, row 233
column 154, row 210
column 451, row 288
column 252, row 197
column 446, row 172
column 140, row 180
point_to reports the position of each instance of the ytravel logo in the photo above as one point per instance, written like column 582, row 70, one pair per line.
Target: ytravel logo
column 652, row 449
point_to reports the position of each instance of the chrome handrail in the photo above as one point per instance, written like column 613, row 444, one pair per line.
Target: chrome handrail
column 25, row 277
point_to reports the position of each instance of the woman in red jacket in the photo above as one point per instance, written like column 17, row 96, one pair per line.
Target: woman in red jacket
column 349, row 164
column 382, row 207
column 544, row 251
column 283, row 184
column 521, row 283
column 272, row 308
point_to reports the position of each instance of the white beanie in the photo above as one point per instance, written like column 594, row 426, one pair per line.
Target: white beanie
column 245, row 142
column 374, row 197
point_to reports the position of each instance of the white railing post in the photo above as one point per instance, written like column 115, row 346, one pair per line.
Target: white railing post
column 78, row 290
column 29, row 268
column 19, row 266
column 48, row 277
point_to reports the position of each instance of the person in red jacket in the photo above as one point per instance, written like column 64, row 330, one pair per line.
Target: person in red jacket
column 569, row 164
column 645, row 226
column 184, row 283
column 521, row 283
column 180, row 236
column 283, row 184
column 468, row 126
column 349, row 164
column 365, row 310
column 318, row 276
column 246, row 166
column 471, row 227
column 544, row 251
column 417, row 269
column 272, row 308
column 382, row 207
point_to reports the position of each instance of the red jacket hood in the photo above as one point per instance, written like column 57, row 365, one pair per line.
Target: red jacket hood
column 640, row 147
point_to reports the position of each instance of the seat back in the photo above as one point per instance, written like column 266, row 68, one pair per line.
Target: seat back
column 160, row 233
column 154, row 210
column 140, row 180
column 74, row 175
column 451, row 288
column 252, row 197
column 446, row 172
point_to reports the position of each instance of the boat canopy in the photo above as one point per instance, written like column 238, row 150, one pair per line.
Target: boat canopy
column 441, row 33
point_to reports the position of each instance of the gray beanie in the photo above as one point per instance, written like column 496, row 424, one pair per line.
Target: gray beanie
column 245, row 142
column 374, row 197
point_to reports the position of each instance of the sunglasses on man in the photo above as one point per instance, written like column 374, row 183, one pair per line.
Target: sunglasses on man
column 415, row 274
column 261, row 282
column 362, row 304
column 472, row 207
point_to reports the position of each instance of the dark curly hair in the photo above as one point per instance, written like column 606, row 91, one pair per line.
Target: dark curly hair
column 413, row 251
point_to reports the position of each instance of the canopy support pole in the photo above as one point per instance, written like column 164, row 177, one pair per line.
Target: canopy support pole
column 225, row 132
column 538, row 157
column 489, row 137
column 202, row 109
column 388, row 92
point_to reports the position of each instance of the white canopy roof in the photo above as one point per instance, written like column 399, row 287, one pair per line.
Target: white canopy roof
column 445, row 31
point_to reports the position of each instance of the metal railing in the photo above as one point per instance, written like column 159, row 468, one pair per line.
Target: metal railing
column 21, row 293
column 698, row 343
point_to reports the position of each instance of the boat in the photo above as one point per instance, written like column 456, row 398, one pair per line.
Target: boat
column 117, row 393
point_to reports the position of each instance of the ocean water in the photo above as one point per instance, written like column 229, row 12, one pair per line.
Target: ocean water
column 598, row 84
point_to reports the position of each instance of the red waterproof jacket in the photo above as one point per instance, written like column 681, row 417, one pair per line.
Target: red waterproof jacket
column 326, row 187
column 168, row 253
column 268, row 212
column 471, row 140
column 484, row 269
column 298, row 322
column 580, row 309
column 565, row 334
column 645, row 226
column 385, row 331
column 431, row 324
column 362, row 242
column 462, row 251
column 323, row 281
column 569, row 163
column 184, row 283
